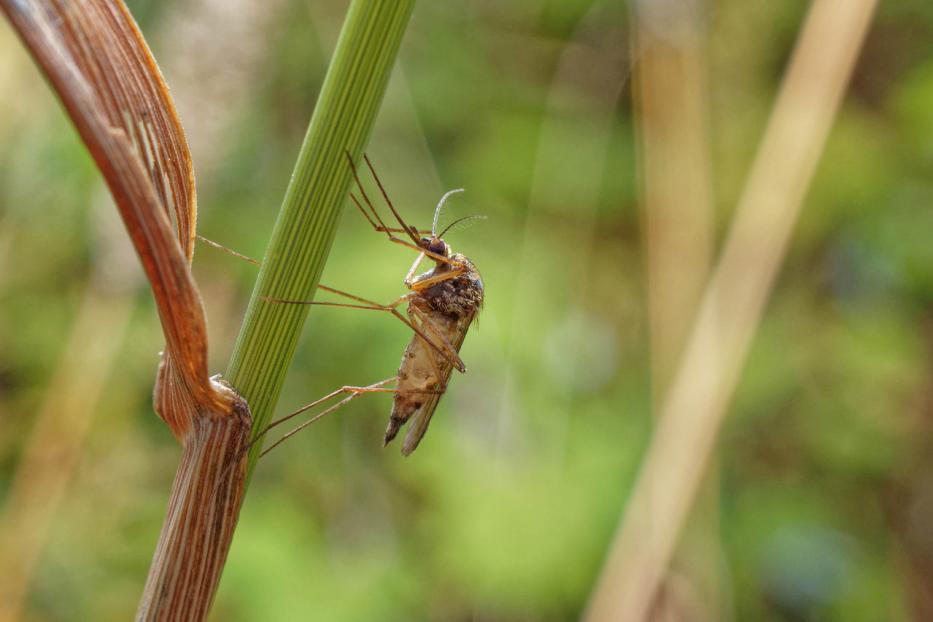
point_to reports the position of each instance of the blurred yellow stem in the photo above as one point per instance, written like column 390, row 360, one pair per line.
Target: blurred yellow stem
column 53, row 449
column 731, row 308
column 670, row 88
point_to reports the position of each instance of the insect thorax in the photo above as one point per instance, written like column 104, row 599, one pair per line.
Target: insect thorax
column 458, row 297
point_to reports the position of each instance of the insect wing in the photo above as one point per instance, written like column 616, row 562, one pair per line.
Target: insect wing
column 421, row 418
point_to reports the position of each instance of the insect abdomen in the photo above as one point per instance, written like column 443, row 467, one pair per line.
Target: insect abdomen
column 422, row 373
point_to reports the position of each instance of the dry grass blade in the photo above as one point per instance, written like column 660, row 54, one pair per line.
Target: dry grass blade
column 96, row 60
column 731, row 308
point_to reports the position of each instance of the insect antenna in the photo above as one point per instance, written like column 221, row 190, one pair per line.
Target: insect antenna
column 460, row 221
column 411, row 231
column 440, row 205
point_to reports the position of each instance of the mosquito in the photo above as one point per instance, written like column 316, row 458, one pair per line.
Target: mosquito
column 441, row 304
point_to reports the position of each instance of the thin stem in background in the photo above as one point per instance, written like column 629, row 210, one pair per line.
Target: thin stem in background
column 676, row 196
column 731, row 309
column 65, row 418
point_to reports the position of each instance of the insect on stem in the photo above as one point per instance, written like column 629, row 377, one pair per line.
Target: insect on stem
column 441, row 305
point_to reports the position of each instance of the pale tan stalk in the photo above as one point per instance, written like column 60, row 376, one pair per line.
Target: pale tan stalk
column 731, row 309
column 670, row 88
column 54, row 446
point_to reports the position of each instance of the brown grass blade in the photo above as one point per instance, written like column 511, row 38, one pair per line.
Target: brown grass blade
column 97, row 62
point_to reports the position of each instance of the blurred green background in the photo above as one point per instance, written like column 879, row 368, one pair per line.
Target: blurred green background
column 506, row 510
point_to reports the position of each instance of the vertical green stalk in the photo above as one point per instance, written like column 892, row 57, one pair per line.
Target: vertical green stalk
column 304, row 231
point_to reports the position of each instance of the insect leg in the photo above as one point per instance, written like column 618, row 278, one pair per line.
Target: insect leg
column 375, row 220
column 372, row 210
column 374, row 305
column 409, row 278
column 426, row 322
column 453, row 357
column 410, row 231
column 422, row 284
column 381, row 228
column 229, row 251
column 379, row 225
column 354, row 392
column 422, row 417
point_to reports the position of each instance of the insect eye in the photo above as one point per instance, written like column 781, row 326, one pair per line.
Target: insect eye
column 438, row 247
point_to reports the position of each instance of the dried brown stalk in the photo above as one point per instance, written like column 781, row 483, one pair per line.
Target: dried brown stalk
column 97, row 62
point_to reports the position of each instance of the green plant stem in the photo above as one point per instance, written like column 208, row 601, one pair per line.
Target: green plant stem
column 304, row 231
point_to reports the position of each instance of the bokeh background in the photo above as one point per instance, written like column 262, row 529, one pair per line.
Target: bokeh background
column 824, row 490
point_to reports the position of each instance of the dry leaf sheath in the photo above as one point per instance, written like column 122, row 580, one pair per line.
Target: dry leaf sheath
column 96, row 59
column 97, row 62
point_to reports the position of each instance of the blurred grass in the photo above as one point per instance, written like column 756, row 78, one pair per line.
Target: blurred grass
column 487, row 521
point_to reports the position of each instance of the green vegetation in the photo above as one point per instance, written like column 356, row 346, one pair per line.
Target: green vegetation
column 505, row 511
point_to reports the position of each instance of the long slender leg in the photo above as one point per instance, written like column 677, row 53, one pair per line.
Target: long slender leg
column 301, row 427
column 391, row 305
column 229, row 251
column 453, row 357
column 369, row 304
column 354, row 393
column 359, row 185
column 412, row 232
column 445, row 349
column 380, row 226
column 436, row 368
column 432, row 328
column 376, row 387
